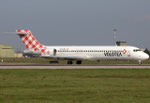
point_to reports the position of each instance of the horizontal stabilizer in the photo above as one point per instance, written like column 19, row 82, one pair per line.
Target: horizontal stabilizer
column 23, row 32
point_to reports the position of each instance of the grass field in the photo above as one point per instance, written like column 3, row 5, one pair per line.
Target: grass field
column 75, row 86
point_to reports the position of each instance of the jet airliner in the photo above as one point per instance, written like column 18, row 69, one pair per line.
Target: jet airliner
column 80, row 53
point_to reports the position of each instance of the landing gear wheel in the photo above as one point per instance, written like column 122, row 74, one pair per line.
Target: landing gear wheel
column 139, row 62
column 79, row 62
column 69, row 62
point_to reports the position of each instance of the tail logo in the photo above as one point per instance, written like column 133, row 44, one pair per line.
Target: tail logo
column 124, row 51
column 30, row 42
column 28, row 39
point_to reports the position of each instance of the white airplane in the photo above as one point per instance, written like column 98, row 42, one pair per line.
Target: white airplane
column 80, row 53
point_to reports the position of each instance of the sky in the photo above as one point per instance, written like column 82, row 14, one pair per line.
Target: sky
column 76, row 22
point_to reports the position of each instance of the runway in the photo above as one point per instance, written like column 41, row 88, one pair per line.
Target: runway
column 42, row 66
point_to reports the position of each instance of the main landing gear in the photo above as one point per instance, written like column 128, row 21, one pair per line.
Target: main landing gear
column 77, row 62
column 69, row 62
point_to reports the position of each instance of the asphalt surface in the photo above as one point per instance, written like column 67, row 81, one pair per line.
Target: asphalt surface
column 47, row 66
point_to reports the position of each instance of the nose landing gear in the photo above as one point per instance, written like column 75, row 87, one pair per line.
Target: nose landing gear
column 139, row 62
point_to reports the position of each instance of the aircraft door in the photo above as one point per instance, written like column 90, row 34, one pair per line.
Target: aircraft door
column 54, row 52
column 128, row 53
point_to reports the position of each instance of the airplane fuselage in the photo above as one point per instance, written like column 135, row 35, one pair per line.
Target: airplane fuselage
column 95, row 52
column 80, row 53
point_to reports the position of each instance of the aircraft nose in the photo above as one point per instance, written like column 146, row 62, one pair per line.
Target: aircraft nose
column 145, row 56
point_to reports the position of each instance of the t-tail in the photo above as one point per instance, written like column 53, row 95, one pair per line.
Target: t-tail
column 30, row 42
column 28, row 39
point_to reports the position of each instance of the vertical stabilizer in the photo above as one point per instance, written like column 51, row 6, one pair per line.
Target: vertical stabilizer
column 29, row 40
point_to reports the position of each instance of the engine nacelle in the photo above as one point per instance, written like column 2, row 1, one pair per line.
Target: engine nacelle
column 31, row 51
column 48, row 52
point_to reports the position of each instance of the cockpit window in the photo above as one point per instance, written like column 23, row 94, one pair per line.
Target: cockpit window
column 135, row 50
